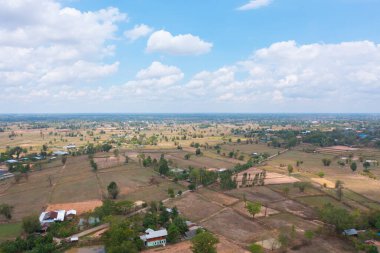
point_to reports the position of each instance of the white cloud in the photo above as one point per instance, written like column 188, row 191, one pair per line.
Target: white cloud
column 138, row 31
column 254, row 4
column 284, row 77
column 43, row 43
column 182, row 44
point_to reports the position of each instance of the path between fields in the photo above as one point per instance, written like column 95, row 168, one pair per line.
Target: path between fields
column 59, row 178
column 90, row 231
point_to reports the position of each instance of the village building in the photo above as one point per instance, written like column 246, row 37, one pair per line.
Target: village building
column 60, row 153
column 153, row 238
column 52, row 216
column 56, row 216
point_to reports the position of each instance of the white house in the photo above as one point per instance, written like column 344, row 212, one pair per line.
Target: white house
column 154, row 238
column 52, row 216
column 56, row 216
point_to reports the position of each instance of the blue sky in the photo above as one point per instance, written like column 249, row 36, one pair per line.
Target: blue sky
column 191, row 56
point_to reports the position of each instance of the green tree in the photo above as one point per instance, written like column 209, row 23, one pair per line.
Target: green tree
column 163, row 167
column 6, row 210
column 284, row 240
column 326, row 162
column 253, row 208
column 290, row 169
column 204, row 242
column 122, row 237
column 353, row 166
column 366, row 165
column 339, row 217
column 173, row 233
column 113, row 190
column 171, row 192
column 31, row 224
column 198, row 151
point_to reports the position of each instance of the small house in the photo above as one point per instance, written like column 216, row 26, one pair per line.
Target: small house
column 52, row 216
column 350, row 232
column 60, row 153
column 11, row 161
column 153, row 238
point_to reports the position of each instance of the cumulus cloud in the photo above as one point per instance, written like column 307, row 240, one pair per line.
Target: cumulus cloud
column 182, row 44
column 138, row 31
column 283, row 77
column 254, row 4
column 44, row 43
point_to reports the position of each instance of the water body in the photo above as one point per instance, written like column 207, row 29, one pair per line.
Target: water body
column 89, row 249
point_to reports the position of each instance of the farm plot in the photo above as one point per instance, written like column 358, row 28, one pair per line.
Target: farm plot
column 107, row 162
column 294, row 191
column 218, row 197
column 259, row 193
column 312, row 164
column 194, row 207
column 233, row 226
column 198, row 161
column 264, row 212
column 282, row 220
column 248, row 149
column 320, row 201
column 29, row 201
column 82, row 189
column 156, row 192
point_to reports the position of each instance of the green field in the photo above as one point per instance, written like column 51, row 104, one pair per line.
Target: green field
column 10, row 231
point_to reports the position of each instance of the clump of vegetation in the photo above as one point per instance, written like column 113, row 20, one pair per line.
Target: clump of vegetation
column 204, row 242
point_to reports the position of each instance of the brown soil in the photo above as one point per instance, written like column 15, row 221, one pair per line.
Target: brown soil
column 80, row 207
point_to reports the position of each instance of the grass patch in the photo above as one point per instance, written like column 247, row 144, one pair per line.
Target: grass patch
column 9, row 231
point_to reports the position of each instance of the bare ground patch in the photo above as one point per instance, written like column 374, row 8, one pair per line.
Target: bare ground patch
column 235, row 227
column 80, row 207
column 293, row 207
column 194, row 207
column 218, row 197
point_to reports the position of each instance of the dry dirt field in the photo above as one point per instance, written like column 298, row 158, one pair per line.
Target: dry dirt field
column 80, row 207
column 217, row 197
column 265, row 211
column 194, row 207
column 235, row 227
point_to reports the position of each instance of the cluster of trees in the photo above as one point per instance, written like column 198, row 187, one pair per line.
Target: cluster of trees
column 202, row 176
column 10, row 153
column 93, row 164
column 123, row 236
column 6, row 210
column 32, row 243
column 158, row 217
column 113, row 190
column 342, row 219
